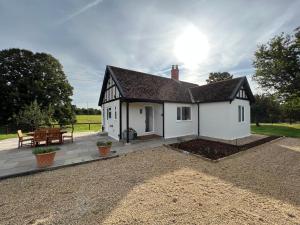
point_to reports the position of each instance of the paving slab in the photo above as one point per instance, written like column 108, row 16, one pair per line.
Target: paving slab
column 15, row 162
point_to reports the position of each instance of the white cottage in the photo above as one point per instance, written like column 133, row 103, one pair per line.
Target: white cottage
column 170, row 108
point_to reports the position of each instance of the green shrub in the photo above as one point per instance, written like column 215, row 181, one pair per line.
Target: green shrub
column 42, row 150
column 102, row 143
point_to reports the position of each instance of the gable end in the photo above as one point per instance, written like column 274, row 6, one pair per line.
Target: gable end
column 110, row 89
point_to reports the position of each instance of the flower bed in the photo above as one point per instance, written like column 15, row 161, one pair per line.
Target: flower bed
column 215, row 150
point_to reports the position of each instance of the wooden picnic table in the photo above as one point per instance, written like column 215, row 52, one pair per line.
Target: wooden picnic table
column 60, row 138
column 61, row 132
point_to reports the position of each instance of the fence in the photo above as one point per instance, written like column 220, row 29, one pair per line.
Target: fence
column 8, row 129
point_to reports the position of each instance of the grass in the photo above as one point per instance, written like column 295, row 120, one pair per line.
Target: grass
column 280, row 129
column 6, row 136
column 77, row 128
column 88, row 119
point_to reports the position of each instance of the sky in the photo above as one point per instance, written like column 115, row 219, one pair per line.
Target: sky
column 201, row 36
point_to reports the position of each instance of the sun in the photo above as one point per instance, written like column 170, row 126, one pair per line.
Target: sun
column 191, row 47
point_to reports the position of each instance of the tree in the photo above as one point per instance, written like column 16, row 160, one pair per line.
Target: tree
column 218, row 76
column 292, row 109
column 89, row 111
column 277, row 65
column 26, row 77
column 34, row 116
column 265, row 109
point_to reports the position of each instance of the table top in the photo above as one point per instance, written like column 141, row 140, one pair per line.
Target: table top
column 61, row 132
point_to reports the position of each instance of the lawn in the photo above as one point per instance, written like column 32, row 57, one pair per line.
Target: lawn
column 6, row 136
column 88, row 119
column 77, row 127
column 280, row 129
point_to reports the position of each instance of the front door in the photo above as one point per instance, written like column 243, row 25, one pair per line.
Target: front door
column 149, row 118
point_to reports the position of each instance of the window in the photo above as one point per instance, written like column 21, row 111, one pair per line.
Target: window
column 183, row 113
column 243, row 116
column 178, row 113
column 241, row 113
column 108, row 113
column 186, row 113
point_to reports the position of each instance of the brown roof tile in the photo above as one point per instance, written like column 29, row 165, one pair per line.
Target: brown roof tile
column 138, row 85
column 216, row 92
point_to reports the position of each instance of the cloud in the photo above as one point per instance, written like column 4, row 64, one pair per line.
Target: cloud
column 140, row 35
column 80, row 11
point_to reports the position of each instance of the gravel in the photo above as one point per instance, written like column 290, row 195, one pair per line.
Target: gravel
column 162, row 186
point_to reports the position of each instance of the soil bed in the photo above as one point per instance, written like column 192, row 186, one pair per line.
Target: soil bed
column 215, row 150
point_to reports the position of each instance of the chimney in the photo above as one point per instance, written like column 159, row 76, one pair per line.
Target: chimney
column 175, row 72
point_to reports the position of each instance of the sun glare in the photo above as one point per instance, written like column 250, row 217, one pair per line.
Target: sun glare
column 191, row 47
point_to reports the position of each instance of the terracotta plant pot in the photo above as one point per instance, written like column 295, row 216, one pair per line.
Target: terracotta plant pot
column 45, row 159
column 104, row 150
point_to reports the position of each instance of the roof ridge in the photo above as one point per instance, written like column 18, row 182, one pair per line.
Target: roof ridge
column 221, row 81
column 149, row 74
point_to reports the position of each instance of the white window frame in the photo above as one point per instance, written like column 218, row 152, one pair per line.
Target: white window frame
column 181, row 107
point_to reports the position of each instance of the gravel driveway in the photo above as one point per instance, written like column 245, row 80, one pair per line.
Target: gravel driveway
column 162, row 186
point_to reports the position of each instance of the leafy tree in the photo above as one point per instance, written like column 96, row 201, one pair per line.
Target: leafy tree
column 277, row 65
column 265, row 109
column 292, row 109
column 26, row 77
column 218, row 76
column 34, row 116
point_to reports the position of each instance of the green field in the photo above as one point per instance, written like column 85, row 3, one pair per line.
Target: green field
column 77, row 127
column 279, row 129
column 88, row 119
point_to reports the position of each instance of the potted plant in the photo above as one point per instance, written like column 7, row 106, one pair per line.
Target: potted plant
column 104, row 147
column 45, row 156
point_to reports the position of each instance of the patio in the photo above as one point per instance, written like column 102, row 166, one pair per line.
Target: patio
column 16, row 162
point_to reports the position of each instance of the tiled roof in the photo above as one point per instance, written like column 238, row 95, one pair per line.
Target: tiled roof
column 218, row 91
column 138, row 86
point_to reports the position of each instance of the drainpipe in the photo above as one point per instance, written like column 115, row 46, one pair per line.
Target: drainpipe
column 127, row 121
column 120, row 119
column 163, row 119
column 198, row 121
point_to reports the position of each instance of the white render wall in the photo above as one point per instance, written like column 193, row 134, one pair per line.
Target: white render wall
column 174, row 128
column 240, row 129
column 112, row 125
column 220, row 120
column 217, row 120
column 137, row 120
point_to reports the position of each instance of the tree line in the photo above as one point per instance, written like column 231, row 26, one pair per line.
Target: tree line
column 87, row 111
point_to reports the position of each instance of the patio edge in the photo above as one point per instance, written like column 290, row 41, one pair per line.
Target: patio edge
column 40, row 170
